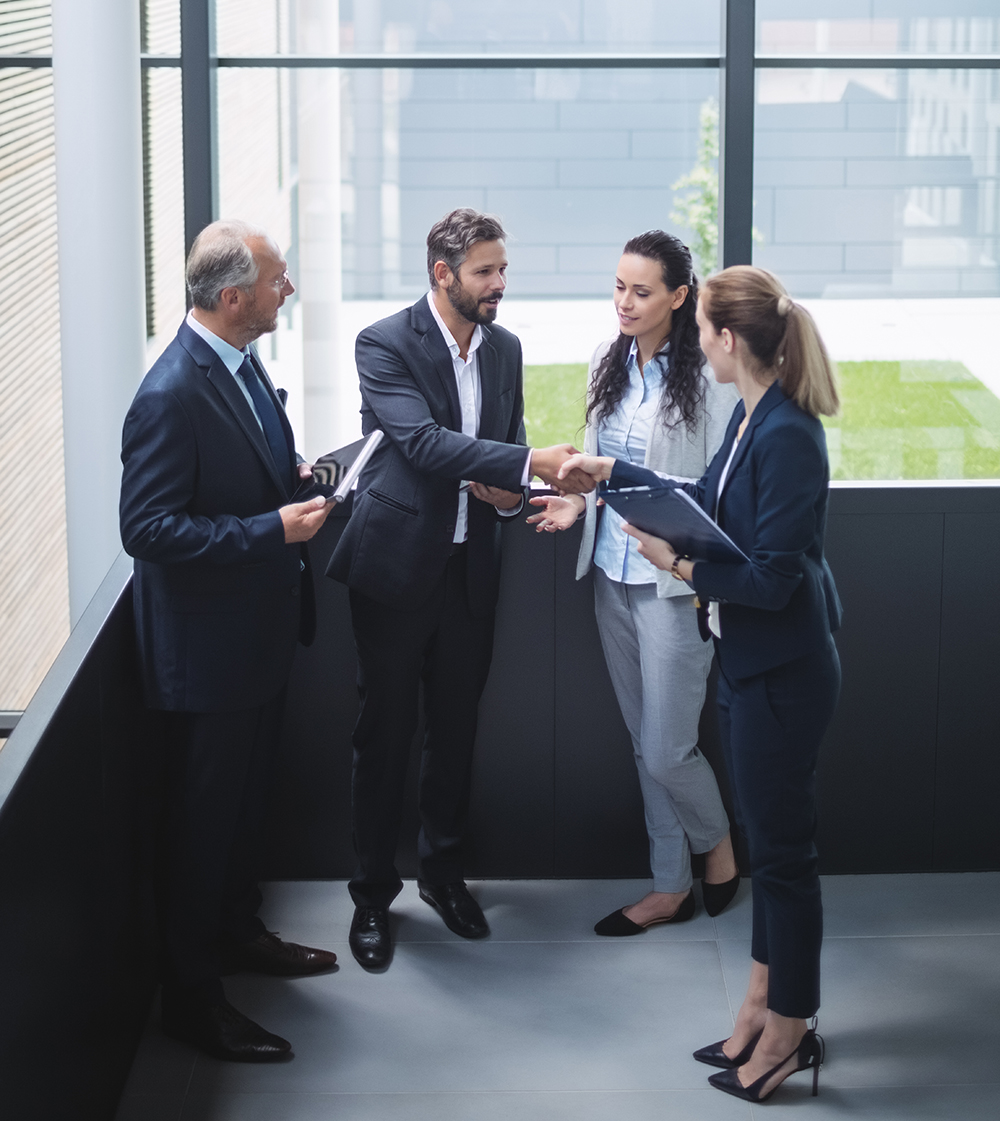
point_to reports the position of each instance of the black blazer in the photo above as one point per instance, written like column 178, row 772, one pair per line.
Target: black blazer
column 220, row 599
column 396, row 544
column 783, row 603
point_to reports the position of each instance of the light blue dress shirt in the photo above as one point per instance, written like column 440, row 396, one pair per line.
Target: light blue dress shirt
column 624, row 435
column 231, row 358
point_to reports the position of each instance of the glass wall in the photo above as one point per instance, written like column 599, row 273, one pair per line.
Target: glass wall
column 876, row 200
column 260, row 27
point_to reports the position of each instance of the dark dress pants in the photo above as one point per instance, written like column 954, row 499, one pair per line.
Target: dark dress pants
column 218, row 769
column 444, row 646
column 771, row 726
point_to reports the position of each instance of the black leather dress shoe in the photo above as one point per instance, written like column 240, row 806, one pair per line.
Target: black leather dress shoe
column 369, row 938
column 221, row 1031
column 268, row 954
column 461, row 913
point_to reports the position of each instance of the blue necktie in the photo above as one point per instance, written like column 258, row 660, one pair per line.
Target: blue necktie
column 273, row 432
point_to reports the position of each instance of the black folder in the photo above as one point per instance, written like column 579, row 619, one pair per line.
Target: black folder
column 671, row 514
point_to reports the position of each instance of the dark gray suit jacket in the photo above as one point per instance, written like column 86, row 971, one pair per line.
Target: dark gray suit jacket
column 399, row 536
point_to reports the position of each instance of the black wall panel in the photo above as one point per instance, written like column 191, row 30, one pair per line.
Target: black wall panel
column 908, row 773
column 967, row 775
column 877, row 762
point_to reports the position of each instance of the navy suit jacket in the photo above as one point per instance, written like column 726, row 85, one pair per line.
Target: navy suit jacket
column 783, row 603
column 220, row 599
column 399, row 536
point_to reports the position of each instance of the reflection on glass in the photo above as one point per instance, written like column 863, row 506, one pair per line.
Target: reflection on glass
column 878, row 190
column 258, row 27
column 879, row 182
column 831, row 27
column 349, row 169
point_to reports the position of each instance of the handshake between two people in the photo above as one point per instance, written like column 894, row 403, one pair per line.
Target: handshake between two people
column 577, row 475
column 561, row 466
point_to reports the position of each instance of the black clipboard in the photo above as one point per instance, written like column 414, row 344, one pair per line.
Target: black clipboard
column 673, row 515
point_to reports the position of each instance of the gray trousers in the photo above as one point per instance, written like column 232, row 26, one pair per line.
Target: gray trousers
column 659, row 666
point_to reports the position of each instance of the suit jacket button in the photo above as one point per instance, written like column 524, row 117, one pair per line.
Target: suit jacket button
column 295, row 591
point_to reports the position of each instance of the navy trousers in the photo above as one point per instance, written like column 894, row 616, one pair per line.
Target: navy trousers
column 771, row 727
column 217, row 777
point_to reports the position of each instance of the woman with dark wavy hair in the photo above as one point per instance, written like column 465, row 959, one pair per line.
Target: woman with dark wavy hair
column 651, row 401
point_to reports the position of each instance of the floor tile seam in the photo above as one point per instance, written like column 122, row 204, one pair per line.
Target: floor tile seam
column 610, row 943
column 215, row 1093
column 882, row 937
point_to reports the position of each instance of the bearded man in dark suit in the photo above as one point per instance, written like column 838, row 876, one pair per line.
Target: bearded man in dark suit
column 421, row 556
column 222, row 595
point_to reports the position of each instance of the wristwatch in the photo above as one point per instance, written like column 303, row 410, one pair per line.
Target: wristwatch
column 673, row 568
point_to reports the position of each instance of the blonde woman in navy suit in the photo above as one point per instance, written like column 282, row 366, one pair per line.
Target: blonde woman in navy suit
column 772, row 618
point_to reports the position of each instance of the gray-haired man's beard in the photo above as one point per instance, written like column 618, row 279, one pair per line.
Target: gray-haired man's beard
column 468, row 307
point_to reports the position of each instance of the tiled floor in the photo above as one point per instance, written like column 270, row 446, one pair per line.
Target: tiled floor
column 544, row 1021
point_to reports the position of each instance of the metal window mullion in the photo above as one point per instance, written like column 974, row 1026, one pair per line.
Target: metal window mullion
column 736, row 123
column 198, row 112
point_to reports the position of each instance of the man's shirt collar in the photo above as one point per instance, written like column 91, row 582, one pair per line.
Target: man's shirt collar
column 449, row 338
column 232, row 357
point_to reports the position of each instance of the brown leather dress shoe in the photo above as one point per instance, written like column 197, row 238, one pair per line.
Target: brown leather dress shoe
column 268, row 954
column 221, row 1031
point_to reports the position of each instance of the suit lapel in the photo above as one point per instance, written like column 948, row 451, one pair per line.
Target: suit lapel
column 224, row 383
column 438, row 357
column 771, row 398
column 488, row 388
column 719, row 462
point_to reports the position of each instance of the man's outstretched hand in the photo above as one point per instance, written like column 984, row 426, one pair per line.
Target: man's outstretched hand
column 545, row 463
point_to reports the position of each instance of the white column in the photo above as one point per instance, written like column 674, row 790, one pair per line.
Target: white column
column 331, row 396
column 98, row 132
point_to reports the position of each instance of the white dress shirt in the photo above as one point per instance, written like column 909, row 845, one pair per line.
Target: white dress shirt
column 470, row 397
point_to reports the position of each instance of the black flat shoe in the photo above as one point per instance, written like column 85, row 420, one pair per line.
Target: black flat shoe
column 716, row 1057
column 717, row 897
column 369, row 939
column 617, row 925
column 809, row 1054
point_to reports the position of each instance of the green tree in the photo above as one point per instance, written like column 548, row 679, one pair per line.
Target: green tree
column 698, row 210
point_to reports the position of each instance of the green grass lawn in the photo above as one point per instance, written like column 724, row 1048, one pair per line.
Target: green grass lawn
column 900, row 420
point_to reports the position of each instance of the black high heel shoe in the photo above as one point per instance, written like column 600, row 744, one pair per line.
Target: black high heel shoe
column 717, row 897
column 716, row 1057
column 809, row 1053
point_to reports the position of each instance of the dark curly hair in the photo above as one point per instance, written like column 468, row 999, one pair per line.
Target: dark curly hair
column 683, row 387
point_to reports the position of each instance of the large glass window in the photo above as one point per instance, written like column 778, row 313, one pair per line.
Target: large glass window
column 876, row 200
column 258, row 27
column 34, row 597
column 877, row 27
column 575, row 161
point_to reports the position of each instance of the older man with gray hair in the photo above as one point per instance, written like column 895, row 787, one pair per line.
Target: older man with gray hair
column 222, row 594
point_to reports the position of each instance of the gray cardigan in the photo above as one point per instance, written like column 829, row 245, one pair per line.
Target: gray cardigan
column 679, row 452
